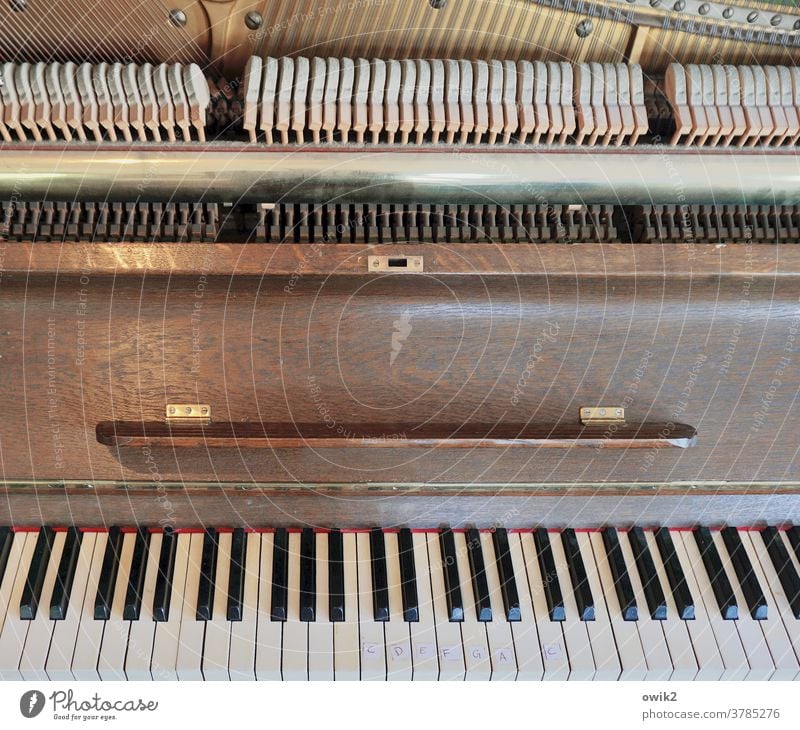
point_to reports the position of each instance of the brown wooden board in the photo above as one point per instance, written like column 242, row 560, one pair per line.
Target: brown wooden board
column 689, row 342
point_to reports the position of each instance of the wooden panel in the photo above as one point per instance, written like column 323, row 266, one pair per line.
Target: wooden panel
column 714, row 352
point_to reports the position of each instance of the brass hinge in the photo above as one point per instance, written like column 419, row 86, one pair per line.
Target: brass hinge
column 602, row 414
column 188, row 413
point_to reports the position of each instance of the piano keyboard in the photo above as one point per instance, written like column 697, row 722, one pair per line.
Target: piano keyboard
column 405, row 604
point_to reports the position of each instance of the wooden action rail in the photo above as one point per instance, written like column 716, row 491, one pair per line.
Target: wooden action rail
column 130, row 434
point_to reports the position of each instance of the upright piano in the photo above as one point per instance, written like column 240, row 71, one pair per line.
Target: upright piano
column 399, row 340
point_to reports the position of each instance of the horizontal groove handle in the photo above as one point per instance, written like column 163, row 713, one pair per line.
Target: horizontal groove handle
column 249, row 435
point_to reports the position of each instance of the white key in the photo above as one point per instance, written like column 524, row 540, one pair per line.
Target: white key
column 166, row 108
column 466, row 110
column 452, row 96
column 269, row 91
column 299, row 103
column 40, row 629
column 130, row 83
column 373, row 641
column 567, row 110
column 111, row 658
column 82, row 659
column 27, row 105
column 551, row 636
column 762, row 665
column 540, row 99
column 773, row 628
column 438, row 116
column 408, row 85
column 473, row 632
column 711, row 665
column 495, row 100
column 347, row 657
column 659, row 664
column 147, row 89
column 392, row 99
column 15, row 556
column 344, row 114
column 189, row 662
column 142, row 632
column 361, row 98
column 510, row 115
column 779, row 608
column 601, row 633
column 481, row 96
column 295, row 632
column 41, row 99
column 316, row 96
column 421, row 100
column 179, row 100
column 241, row 664
column 633, row 665
column 198, row 97
column 66, row 631
column 396, row 630
column 724, row 632
column 216, row 647
column 498, row 630
column 119, row 102
column 58, row 107
column 576, row 635
column 320, row 632
column 527, row 118
column 448, row 633
column 14, row 629
column 676, row 632
column 377, row 90
column 166, row 642
column 11, row 106
column 423, row 632
column 530, row 665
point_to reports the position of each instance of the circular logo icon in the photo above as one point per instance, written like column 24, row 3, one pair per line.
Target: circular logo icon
column 31, row 703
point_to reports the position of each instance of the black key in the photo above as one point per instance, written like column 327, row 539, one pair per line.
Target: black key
column 653, row 593
column 779, row 555
column 455, row 604
column 756, row 602
column 577, row 574
column 380, row 581
column 408, row 575
column 33, row 585
column 236, row 575
column 483, row 606
column 108, row 575
column 619, row 572
column 133, row 597
column 716, row 574
column 505, row 568
column 166, row 569
column 208, row 574
column 793, row 533
column 550, row 583
column 59, row 601
column 280, row 571
column 308, row 575
column 336, row 575
column 6, row 538
column 675, row 575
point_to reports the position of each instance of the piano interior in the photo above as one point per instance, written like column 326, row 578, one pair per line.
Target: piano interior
column 460, row 337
